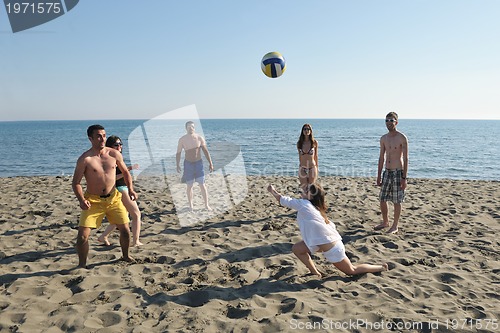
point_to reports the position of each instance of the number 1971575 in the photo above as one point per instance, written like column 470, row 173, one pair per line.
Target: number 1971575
column 488, row 324
column 32, row 8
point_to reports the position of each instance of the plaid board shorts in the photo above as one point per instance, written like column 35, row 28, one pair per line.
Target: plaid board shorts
column 391, row 186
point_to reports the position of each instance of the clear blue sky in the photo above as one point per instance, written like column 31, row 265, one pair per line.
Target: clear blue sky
column 123, row 59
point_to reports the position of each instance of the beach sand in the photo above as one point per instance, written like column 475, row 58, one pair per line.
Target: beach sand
column 235, row 271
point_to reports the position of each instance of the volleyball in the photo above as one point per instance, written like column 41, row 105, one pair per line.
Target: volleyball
column 273, row 64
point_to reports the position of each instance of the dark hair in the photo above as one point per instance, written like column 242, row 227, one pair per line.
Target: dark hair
column 188, row 123
column 392, row 115
column 91, row 129
column 318, row 199
column 112, row 140
column 302, row 138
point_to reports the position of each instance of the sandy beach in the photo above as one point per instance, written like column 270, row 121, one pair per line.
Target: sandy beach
column 234, row 271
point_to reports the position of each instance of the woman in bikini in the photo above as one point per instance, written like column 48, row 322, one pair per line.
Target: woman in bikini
column 307, row 147
column 116, row 143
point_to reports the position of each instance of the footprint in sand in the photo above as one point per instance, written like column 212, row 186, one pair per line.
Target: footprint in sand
column 73, row 285
column 390, row 245
column 237, row 313
column 110, row 318
column 476, row 311
column 288, row 304
column 448, row 277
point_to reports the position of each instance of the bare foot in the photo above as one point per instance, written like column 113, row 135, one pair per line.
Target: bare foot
column 380, row 226
column 128, row 259
column 315, row 274
column 392, row 230
column 208, row 208
column 103, row 240
column 136, row 243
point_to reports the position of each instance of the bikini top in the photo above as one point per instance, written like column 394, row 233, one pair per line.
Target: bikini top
column 121, row 181
column 310, row 152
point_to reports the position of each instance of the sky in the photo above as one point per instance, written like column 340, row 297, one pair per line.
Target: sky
column 124, row 59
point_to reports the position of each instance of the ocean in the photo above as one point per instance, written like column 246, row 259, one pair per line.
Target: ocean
column 454, row 149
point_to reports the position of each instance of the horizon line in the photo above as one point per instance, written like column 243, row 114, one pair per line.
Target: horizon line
column 218, row 118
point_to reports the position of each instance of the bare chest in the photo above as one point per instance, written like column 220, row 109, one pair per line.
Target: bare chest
column 190, row 143
column 101, row 165
column 393, row 145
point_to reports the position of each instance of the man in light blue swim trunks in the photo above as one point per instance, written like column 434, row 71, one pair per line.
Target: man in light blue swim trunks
column 192, row 144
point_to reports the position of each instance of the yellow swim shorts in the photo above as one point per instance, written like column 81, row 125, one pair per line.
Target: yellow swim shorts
column 110, row 206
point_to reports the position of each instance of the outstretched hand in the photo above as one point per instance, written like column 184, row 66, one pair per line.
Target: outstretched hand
column 273, row 191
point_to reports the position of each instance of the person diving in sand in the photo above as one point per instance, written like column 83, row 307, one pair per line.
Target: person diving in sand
column 319, row 233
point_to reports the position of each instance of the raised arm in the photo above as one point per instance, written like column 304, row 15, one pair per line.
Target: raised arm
column 273, row 191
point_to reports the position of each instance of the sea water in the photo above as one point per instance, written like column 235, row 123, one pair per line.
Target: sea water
column 455, row 149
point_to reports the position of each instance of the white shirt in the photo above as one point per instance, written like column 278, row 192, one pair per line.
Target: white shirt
column 313, row 228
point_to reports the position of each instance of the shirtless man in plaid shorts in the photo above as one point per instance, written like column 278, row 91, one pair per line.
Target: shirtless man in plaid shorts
column 394, row 152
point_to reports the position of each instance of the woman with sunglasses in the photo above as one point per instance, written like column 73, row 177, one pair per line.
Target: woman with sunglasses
column 307, row 147
column 116, row 143
column 319, row 234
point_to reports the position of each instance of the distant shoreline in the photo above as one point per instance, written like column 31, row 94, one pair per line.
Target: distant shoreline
column 410, row 179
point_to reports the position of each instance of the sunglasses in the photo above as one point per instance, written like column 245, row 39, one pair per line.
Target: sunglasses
column 306, row 129
column 118, row 144
column 390, row 120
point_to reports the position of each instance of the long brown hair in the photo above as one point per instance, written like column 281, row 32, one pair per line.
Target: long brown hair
column 318, row 199
column 302, row 137
column 112, row 140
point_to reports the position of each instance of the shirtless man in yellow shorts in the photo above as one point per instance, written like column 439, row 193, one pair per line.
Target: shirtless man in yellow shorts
column 101, row 198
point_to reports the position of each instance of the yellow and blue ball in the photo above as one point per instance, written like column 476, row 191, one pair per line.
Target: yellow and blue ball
column 273, row 64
